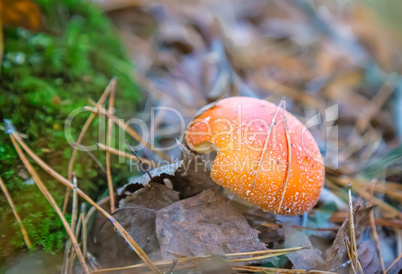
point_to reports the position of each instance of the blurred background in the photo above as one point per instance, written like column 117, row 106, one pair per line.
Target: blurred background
column 184, row 55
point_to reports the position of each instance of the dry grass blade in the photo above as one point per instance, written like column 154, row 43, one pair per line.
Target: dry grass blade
column 285, row 185
column 129, row 130
column 51, row 200
column 354, row 259
column 108, row 141
column 17, row 217
column 67, row 183
column 266, row 143
column 126, row 155
column 88, row 122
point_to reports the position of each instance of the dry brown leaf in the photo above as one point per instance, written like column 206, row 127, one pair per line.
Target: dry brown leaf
column 137, row 212
column 303, row 259
column 368, row 258
column 202, row 225
column 192, row 177
column 137, row 215
column 337, row 255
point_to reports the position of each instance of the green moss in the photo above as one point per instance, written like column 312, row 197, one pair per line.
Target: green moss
column 45, row 76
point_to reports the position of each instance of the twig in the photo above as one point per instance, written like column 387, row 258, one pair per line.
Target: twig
column 67, row 183
column 81, row 136
column 126, row 155
column 14, row 210
column 51, row 200
column 289, row 155
column 108, row 141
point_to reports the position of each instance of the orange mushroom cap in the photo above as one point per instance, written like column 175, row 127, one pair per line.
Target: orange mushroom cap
column 253, row 158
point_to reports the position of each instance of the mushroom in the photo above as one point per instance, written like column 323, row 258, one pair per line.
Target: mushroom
column 253, row 139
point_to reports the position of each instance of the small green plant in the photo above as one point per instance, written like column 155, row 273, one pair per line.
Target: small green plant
column 44, row 76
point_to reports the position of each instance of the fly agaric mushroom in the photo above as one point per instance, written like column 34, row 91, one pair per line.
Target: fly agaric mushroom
column 253, row 138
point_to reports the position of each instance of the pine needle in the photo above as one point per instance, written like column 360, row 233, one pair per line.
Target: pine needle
column 126, row 155
column 51, row 200
column 108, row 141
column 67, row 183
column 88, row 122
column 128, row 129
column 184, row 260
column 69, row 252
column 374, row 229
column 17, row 217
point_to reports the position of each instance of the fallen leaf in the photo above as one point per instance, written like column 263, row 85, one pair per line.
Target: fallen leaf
column 137, row 214
column 368, row 257
column 192, row 177
column 203, row 225
column 303, row 259
column 337, row 255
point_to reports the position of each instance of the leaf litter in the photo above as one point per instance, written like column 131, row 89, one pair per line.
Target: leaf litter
column 266, row 50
